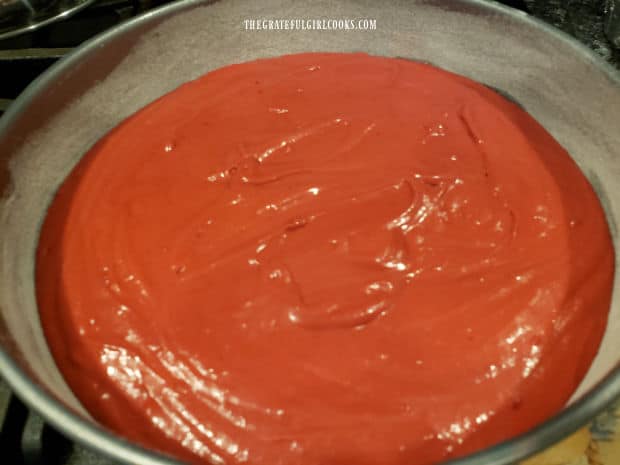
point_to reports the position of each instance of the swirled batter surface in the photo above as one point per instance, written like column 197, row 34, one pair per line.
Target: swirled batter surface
column 325, row 259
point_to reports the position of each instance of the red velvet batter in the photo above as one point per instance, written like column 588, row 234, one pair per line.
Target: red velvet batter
column 325, row 259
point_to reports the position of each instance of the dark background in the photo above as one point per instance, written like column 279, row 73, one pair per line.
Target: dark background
column 582, row 19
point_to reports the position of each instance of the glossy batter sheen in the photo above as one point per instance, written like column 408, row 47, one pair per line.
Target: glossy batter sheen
column 325, row 259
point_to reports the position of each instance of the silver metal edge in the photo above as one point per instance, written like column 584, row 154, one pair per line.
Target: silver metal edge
column 35, row 24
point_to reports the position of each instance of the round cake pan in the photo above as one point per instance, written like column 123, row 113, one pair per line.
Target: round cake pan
column 572, row 93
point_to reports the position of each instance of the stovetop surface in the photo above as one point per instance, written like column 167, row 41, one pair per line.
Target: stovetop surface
column 24, row 438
